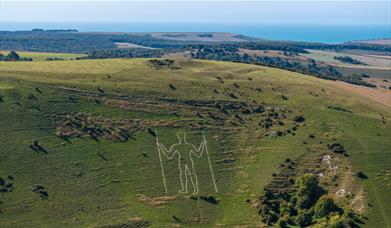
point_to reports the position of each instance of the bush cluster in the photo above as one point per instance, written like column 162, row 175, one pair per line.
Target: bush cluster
column 307, row 205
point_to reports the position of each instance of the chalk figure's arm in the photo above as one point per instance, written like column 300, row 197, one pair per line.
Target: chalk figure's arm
column 169, row 154
column 198, row 152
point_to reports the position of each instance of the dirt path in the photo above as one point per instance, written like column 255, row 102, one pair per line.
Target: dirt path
column 380, row 95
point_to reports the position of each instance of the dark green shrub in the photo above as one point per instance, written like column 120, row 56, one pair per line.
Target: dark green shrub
column 287, row 208
column 282, row 222
column 338, row 223
column 209, row 199
column 40, row 190
column 336, row 148
column 172, row 87
column 303, row 219
column 267, row 215
column 299, row 119
column 324, row 206
column 361, row 175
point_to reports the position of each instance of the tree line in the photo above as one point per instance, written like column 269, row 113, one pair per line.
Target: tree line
column 348, row 59
column 72, row 41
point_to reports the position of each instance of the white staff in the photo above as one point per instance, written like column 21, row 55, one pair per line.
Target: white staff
column 210, row 164
column 161, row 164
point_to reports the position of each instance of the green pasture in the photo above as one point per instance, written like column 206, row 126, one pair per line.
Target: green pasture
column 96, row 183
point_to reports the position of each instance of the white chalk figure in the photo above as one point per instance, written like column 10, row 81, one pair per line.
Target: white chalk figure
column 184, row 152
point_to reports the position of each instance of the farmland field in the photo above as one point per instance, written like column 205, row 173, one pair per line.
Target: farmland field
column 88, row 133
column 371, row 61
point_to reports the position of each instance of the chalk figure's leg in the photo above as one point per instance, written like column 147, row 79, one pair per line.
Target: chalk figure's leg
column 194, row 179
column 188, row 176
column 182, row 174
column 189, row 173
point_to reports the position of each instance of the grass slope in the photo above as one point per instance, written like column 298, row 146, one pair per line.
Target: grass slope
column 94, row 183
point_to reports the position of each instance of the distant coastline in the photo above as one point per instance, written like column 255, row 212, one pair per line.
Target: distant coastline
column 324, row 33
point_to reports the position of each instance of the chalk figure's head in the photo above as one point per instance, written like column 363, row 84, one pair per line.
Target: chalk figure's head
column 181, row 137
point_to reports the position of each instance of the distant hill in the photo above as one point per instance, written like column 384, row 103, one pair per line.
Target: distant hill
column 203, row 36
column 385, row 41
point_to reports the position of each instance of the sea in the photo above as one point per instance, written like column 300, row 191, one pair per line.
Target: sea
column 324, row 33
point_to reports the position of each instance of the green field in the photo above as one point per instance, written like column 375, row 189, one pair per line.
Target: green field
column 43, row 56
column 372, row 61
column 374, row 73
column 96, row 156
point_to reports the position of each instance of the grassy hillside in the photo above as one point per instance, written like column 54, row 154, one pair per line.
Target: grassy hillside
column 78, row 142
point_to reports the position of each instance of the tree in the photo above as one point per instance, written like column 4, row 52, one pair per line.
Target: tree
column 12, row 56
column 308, row 190
column 306, row 184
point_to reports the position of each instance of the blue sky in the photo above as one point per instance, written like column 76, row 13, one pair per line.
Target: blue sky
column 321, row 12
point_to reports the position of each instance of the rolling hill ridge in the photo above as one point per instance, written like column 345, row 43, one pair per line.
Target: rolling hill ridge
column 82, row 143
